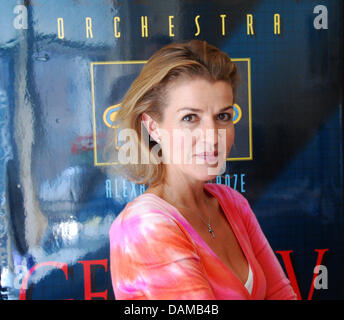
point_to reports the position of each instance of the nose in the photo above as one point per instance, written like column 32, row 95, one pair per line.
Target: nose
column 209, row 133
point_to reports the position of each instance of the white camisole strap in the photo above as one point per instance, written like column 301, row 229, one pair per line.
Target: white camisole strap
column 249, row 281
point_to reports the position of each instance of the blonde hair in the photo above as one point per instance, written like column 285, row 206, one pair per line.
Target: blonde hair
column 148, row 92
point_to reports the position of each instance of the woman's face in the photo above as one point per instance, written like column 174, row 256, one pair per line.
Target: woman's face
column 197, row 130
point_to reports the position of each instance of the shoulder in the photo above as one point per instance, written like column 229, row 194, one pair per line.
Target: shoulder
column 147, row 229
column 233, row 199
column 227, row 193
column 141, row 217
column 143, row 206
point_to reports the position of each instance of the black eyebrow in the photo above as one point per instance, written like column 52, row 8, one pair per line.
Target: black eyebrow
column 199, row 110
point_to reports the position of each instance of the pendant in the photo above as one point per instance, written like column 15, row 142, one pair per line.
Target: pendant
column 211, row 231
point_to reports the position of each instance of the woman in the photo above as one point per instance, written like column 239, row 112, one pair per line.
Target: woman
column 185, row 238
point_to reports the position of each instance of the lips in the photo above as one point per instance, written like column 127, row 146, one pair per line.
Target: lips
column 208, row 156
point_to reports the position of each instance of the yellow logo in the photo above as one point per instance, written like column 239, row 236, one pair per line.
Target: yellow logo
column 125, row 71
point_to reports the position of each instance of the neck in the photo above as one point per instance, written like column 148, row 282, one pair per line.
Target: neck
column 184, row 192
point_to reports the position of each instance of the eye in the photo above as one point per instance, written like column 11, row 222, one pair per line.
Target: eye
column 225, row 116
column 190, row 118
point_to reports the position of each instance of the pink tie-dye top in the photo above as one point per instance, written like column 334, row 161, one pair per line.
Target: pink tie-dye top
column 156, row 254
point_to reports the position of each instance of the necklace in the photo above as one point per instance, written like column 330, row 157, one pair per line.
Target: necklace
column 210, row 229
column 208, row 225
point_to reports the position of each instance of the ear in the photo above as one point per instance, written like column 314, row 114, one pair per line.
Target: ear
column 151, row 125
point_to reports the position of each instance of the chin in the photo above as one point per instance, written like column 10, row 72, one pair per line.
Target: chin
column 206, row 173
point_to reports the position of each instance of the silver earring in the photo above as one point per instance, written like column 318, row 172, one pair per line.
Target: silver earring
column 158, row 140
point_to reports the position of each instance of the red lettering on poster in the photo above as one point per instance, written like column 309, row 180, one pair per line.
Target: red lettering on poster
column 290, row 271
column 87, row 265
column 87, row 279
column 59, row 265
column 291, row 274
